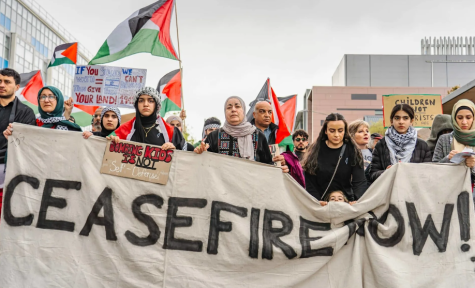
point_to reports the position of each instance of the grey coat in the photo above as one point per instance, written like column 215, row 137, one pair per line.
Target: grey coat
column 442, row 150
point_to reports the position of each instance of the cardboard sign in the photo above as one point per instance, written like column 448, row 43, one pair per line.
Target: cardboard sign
column 106, row 85
column 275, row 151
column 137, row 161
column 426, row 106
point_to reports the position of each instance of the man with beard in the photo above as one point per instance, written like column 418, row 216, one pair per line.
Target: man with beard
column 11, row 110
column 300, row 139
column 96, row 120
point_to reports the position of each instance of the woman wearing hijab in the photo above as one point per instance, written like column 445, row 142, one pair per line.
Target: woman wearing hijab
column 51, row 109
column 461, row 138
column 176, row 122
column 251, row 143
column 147, row 126
column 441, row 125
column 400, row 143
column 110, row 121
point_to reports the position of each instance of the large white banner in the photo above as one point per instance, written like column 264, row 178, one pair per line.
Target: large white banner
column 223, row 222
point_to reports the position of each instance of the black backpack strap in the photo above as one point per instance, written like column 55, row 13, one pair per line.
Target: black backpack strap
column 336, row 168
column 11, row 119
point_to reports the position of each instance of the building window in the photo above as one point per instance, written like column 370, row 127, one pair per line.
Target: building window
column 321, row 122
column 363, row 97
column 6, row 54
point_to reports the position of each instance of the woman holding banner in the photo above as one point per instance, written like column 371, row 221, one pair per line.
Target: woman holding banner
column 237, row 137
column 333, row 162
column 51, row 109
column 462, row 138
column 400, row 143
column 147, row 126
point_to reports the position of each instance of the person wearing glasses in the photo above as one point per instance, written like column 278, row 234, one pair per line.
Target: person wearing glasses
column 292, row 159
column 51, row 109
column 300, row 139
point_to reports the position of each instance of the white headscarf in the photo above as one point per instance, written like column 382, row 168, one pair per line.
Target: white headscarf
column 243, row 132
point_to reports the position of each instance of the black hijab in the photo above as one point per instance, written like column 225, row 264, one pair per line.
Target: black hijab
column 142, row 122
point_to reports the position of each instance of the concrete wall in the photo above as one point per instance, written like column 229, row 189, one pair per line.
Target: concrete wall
column 403, row 71
column 328, row 99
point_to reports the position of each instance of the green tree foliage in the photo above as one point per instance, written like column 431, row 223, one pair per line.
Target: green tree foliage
column 377, row 127
column 453, row 89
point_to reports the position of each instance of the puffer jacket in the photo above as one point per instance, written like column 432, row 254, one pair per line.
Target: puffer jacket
column 382, row 159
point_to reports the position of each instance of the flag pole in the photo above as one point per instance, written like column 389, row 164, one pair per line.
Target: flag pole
column 179, row 63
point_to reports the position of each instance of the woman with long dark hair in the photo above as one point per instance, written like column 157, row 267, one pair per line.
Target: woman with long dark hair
column 333, row 162
column 400, row 143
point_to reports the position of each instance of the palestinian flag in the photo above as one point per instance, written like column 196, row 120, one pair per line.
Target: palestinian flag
column 288, row 106
column 30, row 85
column 170, row 92
column 267, row 93
column 145, row 31
column 65, row 54
column 127, row 130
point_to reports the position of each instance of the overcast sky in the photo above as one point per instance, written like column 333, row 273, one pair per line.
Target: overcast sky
column 231, row 47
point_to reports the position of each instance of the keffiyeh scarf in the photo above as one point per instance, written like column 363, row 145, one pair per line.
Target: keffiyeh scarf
column 401, row 146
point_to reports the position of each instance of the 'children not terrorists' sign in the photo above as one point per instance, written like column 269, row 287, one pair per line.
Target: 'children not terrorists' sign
column 426, row 107
column 107, row 86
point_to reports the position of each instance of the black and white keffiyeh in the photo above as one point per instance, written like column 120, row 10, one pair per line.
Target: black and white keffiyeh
column 401, row 146
column 52, row 120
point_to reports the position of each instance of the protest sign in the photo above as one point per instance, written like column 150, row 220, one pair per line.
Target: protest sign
column 221, row 221
column 137, row 161
column 275, row 151
column 106, row 85
column 426, row 107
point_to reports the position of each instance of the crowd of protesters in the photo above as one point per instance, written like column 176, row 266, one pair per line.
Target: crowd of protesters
column 339, row 165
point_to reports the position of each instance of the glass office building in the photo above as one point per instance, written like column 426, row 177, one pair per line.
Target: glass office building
column 28, row 36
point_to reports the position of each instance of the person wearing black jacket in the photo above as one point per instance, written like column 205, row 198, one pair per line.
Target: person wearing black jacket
column 333, row 162
column 400, row 143
column 11, row 110
column 238, row 138
column 263, row 121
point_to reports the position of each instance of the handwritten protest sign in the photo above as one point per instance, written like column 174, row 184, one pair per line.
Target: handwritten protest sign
column 106, row 85
column 426, row 107
column 215, row 224
column 137, row 161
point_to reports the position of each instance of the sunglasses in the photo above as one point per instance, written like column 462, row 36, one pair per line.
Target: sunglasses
column 300, row 139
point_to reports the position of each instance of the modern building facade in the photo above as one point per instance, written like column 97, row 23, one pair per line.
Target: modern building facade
column 28, row 36
column 353, row 103
column 404, row 70
column 359, row 81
